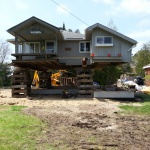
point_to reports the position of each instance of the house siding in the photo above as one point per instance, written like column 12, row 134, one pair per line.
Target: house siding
column 120, row 46
column 71, row 49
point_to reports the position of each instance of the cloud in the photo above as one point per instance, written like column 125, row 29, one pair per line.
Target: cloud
column 127, row 6
column 135, row 6
column 144, row 23
column 21, row 4
column 140, row 34
column 107, row 2
column 63, row 9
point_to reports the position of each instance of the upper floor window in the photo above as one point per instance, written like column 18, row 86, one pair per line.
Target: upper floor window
column 31, row 47
column 50, row 47
column 104, row 41
column 84, row 47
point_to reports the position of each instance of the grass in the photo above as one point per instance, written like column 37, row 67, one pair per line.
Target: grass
column 19, row 131
column 144, row 109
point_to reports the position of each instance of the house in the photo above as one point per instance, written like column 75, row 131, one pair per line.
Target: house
column 147, row 74
column 147, row 69
column 43, row 46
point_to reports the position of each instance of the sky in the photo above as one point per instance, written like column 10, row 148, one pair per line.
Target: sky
column 131, row 17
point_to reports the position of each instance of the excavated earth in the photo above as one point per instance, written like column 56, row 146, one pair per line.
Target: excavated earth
column 85, row 123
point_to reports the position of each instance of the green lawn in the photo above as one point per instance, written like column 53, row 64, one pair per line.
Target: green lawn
column 19, row 131
column 144, row 109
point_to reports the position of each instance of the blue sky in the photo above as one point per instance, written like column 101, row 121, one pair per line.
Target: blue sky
column 132, row 17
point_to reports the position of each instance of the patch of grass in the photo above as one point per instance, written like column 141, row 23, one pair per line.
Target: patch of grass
column 144, row 109
column 141, row 110
column 17, row 108
column 19, row 131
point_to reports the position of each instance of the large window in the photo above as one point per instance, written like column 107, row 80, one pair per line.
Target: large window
column 104, row 41
column 84, row 47
column 32, row 47
column 50, row 46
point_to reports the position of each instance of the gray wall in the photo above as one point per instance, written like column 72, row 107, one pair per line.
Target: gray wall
column 120, row 46
column 73, row 52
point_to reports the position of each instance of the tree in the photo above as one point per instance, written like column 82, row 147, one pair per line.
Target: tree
column 142, row 58
column 106, row 76
column 70, row 30
column 5, row 75
column 5, row 52
column 111, row 25
column 64, row 28
column 77, row 31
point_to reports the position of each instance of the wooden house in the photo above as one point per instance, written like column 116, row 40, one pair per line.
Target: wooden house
column 43, row 46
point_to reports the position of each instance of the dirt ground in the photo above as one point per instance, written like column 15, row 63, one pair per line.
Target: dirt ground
column 85, row 123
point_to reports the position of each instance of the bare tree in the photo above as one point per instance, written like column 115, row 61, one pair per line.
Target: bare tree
column 5, row 51
column 111, row 25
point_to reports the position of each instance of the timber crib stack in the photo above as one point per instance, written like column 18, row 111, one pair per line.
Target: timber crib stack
column 21, row 83
column 85, row 81
column 43, row 79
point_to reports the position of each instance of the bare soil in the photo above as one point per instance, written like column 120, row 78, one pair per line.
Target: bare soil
column 85, row 123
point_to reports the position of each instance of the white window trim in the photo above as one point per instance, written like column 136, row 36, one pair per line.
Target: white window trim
column 80, row 47
column 34, row 45
column 54, row 45
column 97, row 44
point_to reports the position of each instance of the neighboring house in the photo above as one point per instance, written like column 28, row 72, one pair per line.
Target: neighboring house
column 42, row 46
column 147, row 69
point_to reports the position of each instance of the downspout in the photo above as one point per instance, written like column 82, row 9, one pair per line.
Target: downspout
column 130, row 49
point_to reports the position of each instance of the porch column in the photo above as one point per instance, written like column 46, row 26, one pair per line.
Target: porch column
column 55, row 43
column 16, row 44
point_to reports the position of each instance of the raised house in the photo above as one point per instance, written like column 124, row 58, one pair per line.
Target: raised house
column 42, row 46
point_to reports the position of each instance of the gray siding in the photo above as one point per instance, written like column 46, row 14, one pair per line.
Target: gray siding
column 74, row 49
column 120, row 46
column 71, row 49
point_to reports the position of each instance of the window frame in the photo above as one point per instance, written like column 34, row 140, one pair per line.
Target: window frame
column 28, row 43
column 49, row 49
column 85, row 46
column 103, row 44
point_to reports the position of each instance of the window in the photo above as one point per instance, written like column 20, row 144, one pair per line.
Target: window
column 50, row 47
column 104, row 41
column 32, row 47
column 84, row 47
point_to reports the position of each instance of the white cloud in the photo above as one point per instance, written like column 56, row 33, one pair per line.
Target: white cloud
column 141, row 34
column 21, row 4
column 107, row 2
column 144, row 23
column 62, row 9
column 135, row 6
column 127, row 6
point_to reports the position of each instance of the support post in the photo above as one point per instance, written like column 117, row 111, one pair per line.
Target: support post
column 16, row 44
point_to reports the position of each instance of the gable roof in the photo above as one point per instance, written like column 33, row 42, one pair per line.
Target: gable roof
column 89, row 30
column 146, row 66
column 29, row 22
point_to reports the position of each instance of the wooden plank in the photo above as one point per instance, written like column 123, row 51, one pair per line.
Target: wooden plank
column 19, row 76
column 20, row 91
column 86, row 86
column 85, row 80
column 19, row 86
column 19, row 96
column 84, row 75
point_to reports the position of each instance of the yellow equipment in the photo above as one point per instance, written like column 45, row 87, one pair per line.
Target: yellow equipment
column 35, row 79
column 54, row 78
